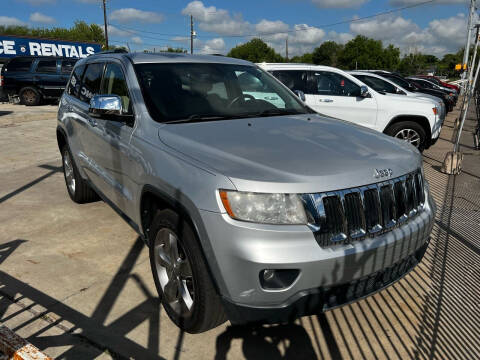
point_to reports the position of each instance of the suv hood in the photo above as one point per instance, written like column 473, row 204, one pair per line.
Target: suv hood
column 292, row 154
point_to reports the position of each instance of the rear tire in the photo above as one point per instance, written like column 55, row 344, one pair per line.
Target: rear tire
column 30, row 96
column 78, row 189
column 409, row 131
column 182, row 279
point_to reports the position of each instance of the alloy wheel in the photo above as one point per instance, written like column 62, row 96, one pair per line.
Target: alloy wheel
column 174, row 272
column 69, row 174
column 410, row 136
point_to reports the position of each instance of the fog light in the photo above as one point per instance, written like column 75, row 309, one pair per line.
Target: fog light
column 278, row 279
column 268, row 274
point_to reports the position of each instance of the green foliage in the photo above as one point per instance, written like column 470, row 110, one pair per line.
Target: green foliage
column 364, row 53
column 80, row 31
column 327, row 54
column 306, row 58
column 255, row 51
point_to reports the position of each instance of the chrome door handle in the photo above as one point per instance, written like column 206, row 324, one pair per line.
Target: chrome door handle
column 326, row 100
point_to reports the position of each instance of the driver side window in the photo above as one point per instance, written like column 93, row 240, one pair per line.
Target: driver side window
column 114, row 83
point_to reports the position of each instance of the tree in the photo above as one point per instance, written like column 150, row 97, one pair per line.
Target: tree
column 306, row 58
column 364, row 53
column 80, row 31
column 255, row 51
column 327, row 53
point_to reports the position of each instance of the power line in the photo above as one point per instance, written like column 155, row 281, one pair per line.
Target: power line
column 293, row 30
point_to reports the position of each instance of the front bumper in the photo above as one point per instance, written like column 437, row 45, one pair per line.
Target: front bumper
column 243, row 250
column 321, row 299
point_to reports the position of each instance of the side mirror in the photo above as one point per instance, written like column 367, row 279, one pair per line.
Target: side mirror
column 399, row 92
column 106, row 106
column 300, row 94
column 364, row 91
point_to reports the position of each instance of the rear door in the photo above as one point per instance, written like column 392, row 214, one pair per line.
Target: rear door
column 334, row 94
column 46, row 77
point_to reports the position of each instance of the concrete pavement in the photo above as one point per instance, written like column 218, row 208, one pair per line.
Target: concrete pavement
column 75, row 279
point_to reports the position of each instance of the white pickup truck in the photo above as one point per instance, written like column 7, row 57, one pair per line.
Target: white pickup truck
column 334, row 92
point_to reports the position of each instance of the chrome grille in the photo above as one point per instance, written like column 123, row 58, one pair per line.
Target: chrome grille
column 344, row 216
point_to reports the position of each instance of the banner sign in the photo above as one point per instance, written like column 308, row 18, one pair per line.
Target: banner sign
column 19, row 46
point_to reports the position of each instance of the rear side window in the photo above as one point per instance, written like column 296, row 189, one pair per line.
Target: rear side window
column 67, row 66
column 47, row 66
column 19, row 65
column 73, row 86
column 91, row 81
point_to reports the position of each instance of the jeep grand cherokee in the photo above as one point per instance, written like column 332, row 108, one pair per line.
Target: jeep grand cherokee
column 254, row 208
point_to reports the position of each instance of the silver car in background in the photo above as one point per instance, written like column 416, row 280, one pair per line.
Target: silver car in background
column 254, row 208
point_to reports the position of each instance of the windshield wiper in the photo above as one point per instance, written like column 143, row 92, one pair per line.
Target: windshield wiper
column 273, row 112
column 203, row 117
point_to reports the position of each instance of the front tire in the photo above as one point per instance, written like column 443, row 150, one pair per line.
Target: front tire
column 78, row 189
column 410, row 132
column 181, row 276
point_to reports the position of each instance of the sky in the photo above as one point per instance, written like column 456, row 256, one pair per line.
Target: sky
column 437, row 27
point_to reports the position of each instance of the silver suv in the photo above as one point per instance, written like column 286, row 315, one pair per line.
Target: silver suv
column 254, row 208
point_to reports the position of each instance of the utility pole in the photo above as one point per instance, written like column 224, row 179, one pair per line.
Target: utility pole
column 469, row 34
column 105, row 22
column 192, row 33
column 286, row 48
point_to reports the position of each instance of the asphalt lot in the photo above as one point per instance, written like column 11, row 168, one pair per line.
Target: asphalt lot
column 75, row 279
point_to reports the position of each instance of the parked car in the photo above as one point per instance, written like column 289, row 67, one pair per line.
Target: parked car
column 36, row 78
column 413, row 87
column 425, row 83
column 384, row 86
column 335, row 93
column 439, row 82
column 253, row 210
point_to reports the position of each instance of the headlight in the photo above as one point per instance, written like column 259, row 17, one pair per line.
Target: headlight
column 264, row 208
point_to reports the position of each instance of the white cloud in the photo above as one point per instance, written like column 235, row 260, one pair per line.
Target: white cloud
column 213, row 46
column 130, row 15
column 137, row 40
column 439, row 37
column 341, row 38
column 339, row 3
column 216, row 20
column 384, row 28
column 270, row 27
column 9, row 21
column 41, row 18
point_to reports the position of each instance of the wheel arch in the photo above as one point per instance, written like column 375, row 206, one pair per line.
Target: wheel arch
column 421, row 120
column 61, row 138
column 153, row 199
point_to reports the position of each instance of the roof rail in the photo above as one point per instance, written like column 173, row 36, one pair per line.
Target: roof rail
column 114, row 51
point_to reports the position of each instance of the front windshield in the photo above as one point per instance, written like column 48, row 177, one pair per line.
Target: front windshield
column 211, row 91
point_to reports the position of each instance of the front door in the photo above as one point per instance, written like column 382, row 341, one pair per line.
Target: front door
column 115, row 159
column 335, row 95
